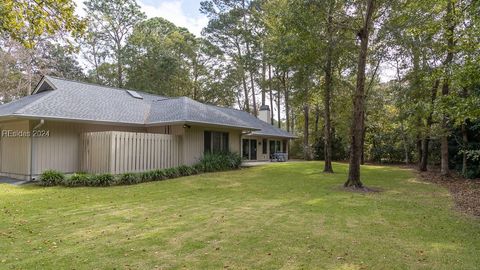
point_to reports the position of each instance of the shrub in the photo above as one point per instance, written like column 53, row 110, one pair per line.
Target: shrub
column 198, row 168
column 185, row 170
column 51, row 178
column 171, row 173
column 155, row 175
column 159, row 175
column 130, row 179
column 212, row 162
column 234, row 160
column 209, row 163
column 146, row 176
column 102, row 180
column 77, row 180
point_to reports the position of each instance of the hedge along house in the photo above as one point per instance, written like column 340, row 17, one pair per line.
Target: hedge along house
column 71, row 126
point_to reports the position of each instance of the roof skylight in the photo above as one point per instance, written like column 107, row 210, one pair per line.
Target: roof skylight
column 134, row 94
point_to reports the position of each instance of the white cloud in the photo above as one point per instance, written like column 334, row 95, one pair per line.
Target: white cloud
column 172, row 11
column 80, row 6
column 169, row 9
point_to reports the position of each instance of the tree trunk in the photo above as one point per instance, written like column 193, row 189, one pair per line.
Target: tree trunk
column 244, row 82
column 306, row 147
column 293, row 121
column 264, row 74
column 246, row 93
column 254, row 99
column 95, row 62
column 465, row 145
column 419, row 146
column 317, row 119
column 119, row 66
column 195, row 80
column 464, row 139
column 405, row 143
column 426, row 139
column 327, row 100
column 362, row 144
column 279, row 99
column 424, row 154
column 249, row 58
column 271, row 92
column 29, row 74
column 449, row 31
column 358, row 105
column 444, row 170
column 287, row 103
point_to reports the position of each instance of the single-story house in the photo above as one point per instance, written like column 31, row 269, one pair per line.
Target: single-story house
column 73, row 126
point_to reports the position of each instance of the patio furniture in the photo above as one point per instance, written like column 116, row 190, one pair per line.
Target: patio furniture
column 279, row 157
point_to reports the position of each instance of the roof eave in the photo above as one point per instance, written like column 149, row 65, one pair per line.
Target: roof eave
column 77, row 120
column 202, row 123
column 287, row 136
column 109, row 122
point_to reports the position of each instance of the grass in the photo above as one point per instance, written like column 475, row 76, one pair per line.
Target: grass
column 281, row 216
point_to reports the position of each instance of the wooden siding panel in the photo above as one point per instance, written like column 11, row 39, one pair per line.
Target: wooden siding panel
column 132, row 151
column 15, row 150
column 68, row 148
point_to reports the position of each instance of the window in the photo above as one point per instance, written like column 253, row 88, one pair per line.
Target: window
column 264, row 146
column 215, row 142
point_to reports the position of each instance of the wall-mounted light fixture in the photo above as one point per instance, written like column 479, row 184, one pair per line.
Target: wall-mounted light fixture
column 186, row 126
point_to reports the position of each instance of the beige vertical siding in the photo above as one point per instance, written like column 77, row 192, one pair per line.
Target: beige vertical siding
column 194, row 144
column 15, row 150
column 119, row 152
column 260, row 155
column 57, row 151
column 60, row 150
column 235, row 141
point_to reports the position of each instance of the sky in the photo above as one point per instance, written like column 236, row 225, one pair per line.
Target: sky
column 183, row 13
column 186, row 13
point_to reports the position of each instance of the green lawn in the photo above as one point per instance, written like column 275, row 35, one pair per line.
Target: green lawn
column 285, row 215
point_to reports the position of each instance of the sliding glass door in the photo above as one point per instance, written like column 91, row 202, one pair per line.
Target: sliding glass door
column 249, row 149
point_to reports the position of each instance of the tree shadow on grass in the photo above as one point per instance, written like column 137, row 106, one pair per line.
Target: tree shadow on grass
column 362, row 189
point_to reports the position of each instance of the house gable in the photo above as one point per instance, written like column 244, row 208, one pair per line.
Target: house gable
column 44, row 85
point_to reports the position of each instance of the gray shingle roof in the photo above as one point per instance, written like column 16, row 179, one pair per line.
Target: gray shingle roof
column 89, row 102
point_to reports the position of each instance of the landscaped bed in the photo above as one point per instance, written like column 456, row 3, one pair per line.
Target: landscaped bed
column 465, row 192
column 284, row 215
column 210, row 162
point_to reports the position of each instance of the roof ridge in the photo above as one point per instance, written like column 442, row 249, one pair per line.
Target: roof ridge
column 105, row 86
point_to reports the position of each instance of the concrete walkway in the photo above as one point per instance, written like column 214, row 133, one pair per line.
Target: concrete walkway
column 261, row 163
column 11, row 181
column 247, row 164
